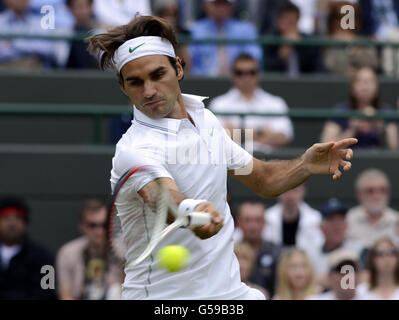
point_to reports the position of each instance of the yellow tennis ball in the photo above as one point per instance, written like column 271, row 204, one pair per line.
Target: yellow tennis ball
column 173, row 258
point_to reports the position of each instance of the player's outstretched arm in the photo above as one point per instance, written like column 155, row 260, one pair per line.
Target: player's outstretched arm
column 272, row 178
column 204, row 232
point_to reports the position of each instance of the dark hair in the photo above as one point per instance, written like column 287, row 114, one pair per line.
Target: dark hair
column 140, row 26
column 375, row 102
column 371, row 265
column 243, row 57
column 16, row 202
column 288, row 7
column 92, row 205
column 69, row 2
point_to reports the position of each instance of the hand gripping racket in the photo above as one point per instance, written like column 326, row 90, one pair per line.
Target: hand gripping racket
column 161, row 204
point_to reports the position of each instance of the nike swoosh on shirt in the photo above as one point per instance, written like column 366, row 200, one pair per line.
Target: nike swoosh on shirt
column 132, row 50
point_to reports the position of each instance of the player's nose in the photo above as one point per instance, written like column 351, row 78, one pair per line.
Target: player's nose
column 149, row 89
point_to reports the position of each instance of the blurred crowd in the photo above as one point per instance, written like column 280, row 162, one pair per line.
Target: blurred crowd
column 289, row 251
column 211, row 19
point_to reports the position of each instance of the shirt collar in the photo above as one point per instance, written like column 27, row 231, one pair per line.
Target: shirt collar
column 193, row 104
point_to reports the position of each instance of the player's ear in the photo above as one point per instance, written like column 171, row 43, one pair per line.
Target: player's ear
column 180, row 71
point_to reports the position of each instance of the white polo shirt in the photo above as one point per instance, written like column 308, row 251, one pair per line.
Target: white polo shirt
column 262, row 102
column 197, row 159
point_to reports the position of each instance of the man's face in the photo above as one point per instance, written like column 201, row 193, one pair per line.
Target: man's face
column 152, row 85
column 287, row 23
column 12, row 229
column 373, row 195
column 81, row 10
column 334, row 228
column 219, row 11
column 245, row 75
column 341, row 286
column 251, row 220
column 293, row 197
column 93, row 226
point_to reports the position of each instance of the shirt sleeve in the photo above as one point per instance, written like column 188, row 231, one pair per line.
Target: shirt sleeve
column 148, row 157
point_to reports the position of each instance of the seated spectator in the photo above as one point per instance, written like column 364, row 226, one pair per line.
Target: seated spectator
column 383, row 266
column 21, row 259
column 295, row 279
column 26, row 53
column 113, row 13
column 85, row 269
column 343, row 61
column 292, row 222
column 250, row 223
column 380, row 17
column 372, row 219
column 365, row 98
column 334, row 229
column 291, row 59
column 169, row 10
column 213, row 59
column 247, row 96
column 79, row 57
column 246, row 258
column 339, row 260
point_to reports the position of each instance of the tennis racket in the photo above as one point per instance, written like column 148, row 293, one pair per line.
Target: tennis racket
column 161, row 204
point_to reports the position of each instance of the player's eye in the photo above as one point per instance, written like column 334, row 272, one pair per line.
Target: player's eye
column 158, row 75
column 135, row 83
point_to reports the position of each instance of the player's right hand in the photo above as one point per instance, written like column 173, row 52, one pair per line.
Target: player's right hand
column 208, row 230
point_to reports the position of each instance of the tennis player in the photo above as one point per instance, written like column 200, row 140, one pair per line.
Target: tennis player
column 185, row 147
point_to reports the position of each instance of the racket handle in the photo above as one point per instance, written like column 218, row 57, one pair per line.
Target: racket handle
column 198, row 218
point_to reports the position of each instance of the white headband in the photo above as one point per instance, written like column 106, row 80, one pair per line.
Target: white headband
column 140, row 47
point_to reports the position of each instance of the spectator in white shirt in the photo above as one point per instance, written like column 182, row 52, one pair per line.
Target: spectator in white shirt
column 247, row 96
column 292, row 222
column 372, row 219
column 343, row 277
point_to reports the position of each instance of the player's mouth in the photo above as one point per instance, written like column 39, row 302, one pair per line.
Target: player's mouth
column 153, row 104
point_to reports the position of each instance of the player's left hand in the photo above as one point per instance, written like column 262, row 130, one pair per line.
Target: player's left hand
column 327, row 158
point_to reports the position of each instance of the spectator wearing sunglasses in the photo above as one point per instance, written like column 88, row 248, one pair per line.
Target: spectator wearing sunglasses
column 246, row 96
column 372, row 219
column 383, row 266
column 85, row 270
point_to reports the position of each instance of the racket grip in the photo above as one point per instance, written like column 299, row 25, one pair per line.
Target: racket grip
column 199, row 218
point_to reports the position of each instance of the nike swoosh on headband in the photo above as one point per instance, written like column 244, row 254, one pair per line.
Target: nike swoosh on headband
column 132, row 50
